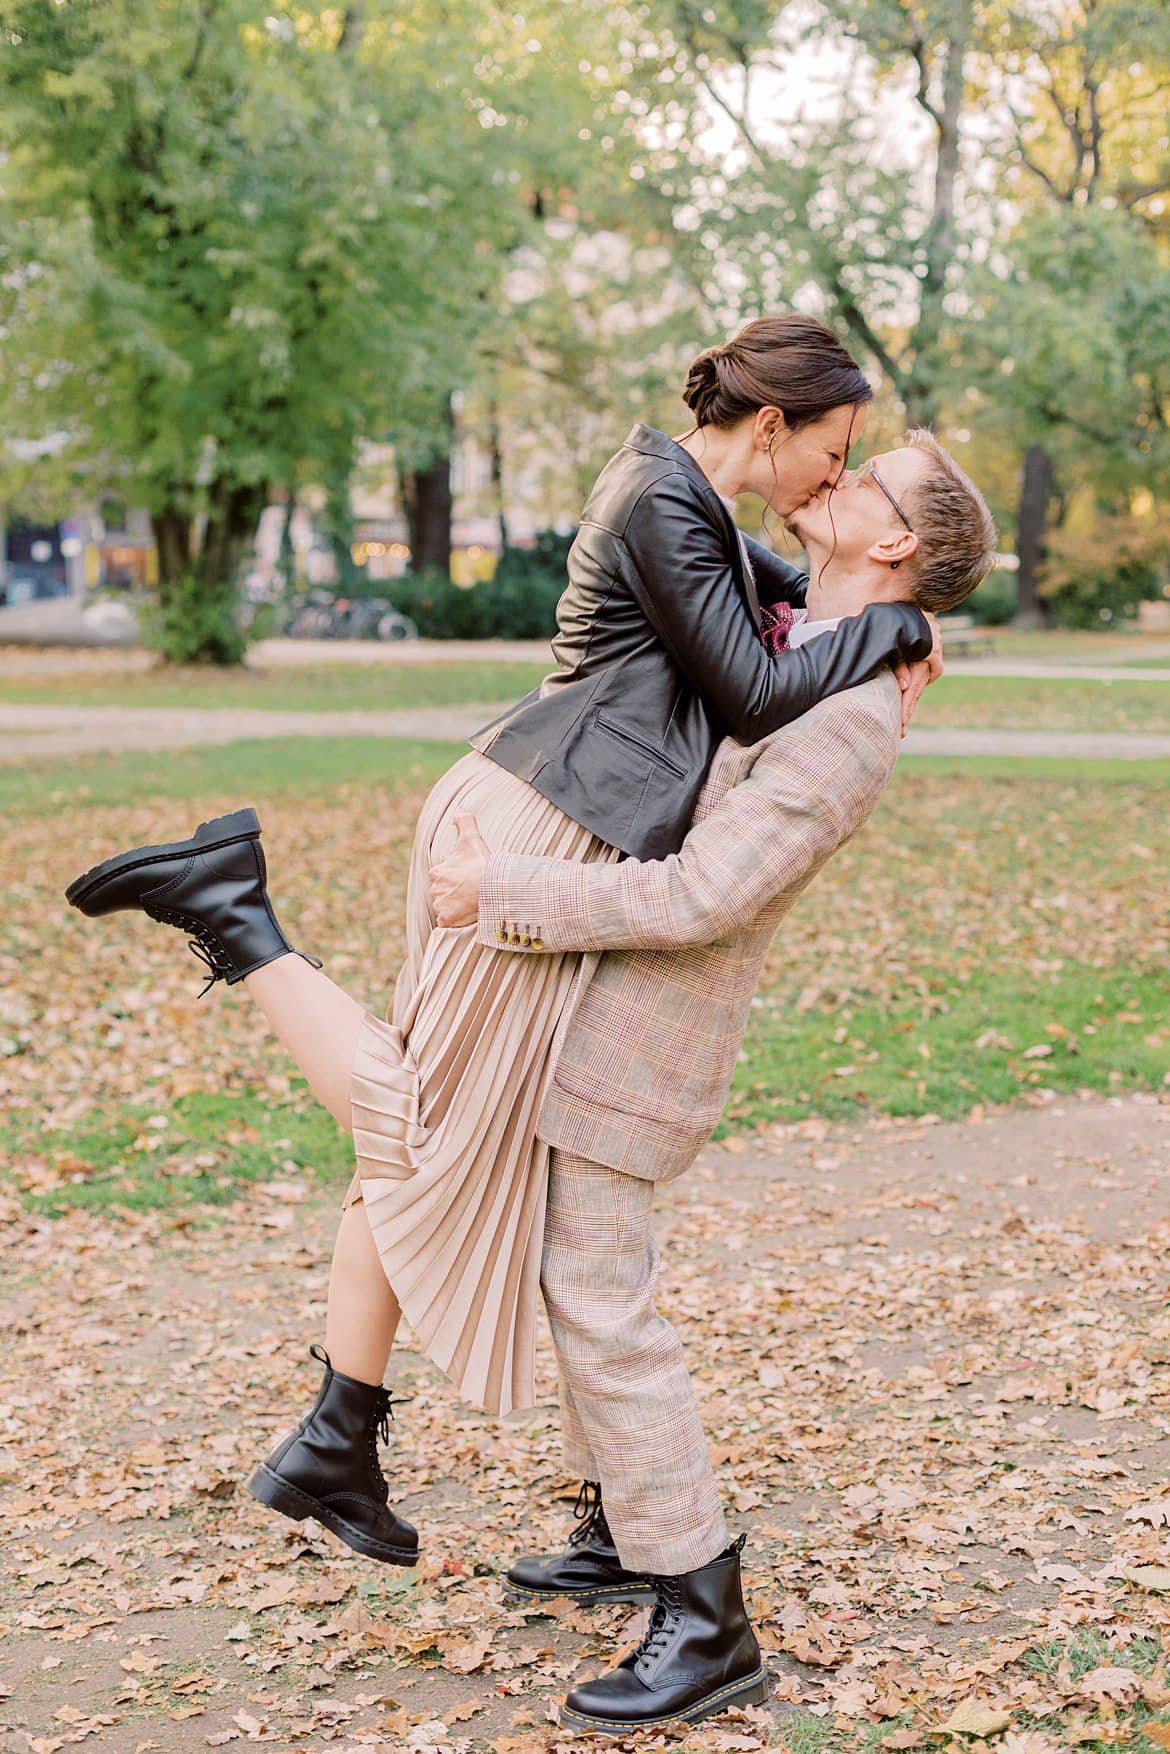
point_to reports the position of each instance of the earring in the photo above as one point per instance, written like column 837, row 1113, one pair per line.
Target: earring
column 894, row 565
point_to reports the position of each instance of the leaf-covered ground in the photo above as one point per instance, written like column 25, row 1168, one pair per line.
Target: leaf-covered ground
column 931, row 1361
column 931, row 1355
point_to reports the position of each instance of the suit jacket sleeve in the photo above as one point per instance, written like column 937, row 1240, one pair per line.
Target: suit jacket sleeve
column 809, row 790
column 686, row 589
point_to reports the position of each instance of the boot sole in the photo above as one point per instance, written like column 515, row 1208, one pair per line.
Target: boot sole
column 220, row 832
column 602, row 1593
column 290, row 1501
column 752, row 1690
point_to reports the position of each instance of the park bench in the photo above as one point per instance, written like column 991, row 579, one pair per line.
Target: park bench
column 962, row 634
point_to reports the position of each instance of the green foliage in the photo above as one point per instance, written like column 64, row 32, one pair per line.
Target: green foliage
column 194, row 624
column 519, row 602
column 526, row 587
column 439, row 608
column 1100, row 573
column 993, row 603
column 222, row 228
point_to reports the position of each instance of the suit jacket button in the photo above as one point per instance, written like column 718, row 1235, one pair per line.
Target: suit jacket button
column 502, row 936
column 526, row 940
column 538, row 943
column 515, row 938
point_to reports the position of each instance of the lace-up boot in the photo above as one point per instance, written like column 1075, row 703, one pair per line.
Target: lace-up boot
column 328, row 1468
column 588, row 1569
column 699, row 1656
column 212, row 886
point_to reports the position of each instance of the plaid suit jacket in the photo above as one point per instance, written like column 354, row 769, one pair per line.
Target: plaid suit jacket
column 645, row 1050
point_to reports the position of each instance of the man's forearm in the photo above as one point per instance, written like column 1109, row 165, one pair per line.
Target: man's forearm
column 729, row 868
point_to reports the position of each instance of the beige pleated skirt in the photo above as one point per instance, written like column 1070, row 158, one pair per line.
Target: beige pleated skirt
column 446, row 1094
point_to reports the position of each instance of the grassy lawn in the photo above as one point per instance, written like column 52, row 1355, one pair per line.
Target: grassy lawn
column 1019, row 704
column 998, row 929
column 1008, row 703
column 1067, row 646
column 320, row 688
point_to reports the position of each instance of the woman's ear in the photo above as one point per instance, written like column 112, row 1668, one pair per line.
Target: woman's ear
column 770, row 427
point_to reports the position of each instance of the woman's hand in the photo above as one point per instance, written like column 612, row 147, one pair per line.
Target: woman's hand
column 913, row 678
column 455, row 880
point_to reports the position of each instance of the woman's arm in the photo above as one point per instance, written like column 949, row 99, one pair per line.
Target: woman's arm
column 681, row 574
column 776, row 581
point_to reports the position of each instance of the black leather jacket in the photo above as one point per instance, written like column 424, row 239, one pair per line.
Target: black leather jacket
column 659, row 654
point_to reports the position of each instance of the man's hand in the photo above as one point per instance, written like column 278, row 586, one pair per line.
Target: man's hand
column 455, row 880
column 913, row 678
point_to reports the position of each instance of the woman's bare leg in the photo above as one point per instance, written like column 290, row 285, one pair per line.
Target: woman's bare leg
column 363, row 1311
column 318, row 1024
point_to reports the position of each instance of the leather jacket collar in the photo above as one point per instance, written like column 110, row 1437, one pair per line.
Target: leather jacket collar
column 653, row 443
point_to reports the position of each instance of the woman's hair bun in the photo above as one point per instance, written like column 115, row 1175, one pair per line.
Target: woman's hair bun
column 789, row 361
column 701, row 390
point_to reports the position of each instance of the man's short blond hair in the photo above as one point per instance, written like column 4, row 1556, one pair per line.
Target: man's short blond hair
column 956, row 533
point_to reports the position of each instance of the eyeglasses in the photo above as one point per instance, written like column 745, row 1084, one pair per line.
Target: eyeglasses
column 867, row 469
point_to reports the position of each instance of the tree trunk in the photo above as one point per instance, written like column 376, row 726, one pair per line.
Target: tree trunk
column 426, row 499
column 338, row 518
column 1035, row 495
column 497, row 455
column 232, row 517
column 920, row 393
column 172, row 535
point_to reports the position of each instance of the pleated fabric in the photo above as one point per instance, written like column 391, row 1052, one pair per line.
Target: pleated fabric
column 446, row 1094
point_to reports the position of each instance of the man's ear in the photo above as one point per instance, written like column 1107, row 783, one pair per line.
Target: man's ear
column 894, row 549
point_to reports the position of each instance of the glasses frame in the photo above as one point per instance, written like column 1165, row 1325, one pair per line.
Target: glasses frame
column 870, row 470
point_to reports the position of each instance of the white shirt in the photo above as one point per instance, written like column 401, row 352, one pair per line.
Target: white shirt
column 802, row 629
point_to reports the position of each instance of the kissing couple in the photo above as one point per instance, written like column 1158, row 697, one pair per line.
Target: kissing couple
column 593, row 888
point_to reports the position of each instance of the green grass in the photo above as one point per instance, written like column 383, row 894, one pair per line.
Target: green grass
column 1062, row 1661
column 201, row 1149
column 245, row 772
column 796, row 1067
column 385, row 687
column 1062, row 704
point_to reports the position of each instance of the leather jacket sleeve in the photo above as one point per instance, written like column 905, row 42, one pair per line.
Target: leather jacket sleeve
column 776, row 581
column 688, row 593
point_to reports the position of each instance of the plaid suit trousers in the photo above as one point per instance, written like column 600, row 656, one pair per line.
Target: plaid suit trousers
column 627, row 1404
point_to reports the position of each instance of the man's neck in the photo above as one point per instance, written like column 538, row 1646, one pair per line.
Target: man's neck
column 844, row 593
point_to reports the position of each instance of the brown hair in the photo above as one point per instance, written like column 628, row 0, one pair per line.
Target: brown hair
column 788, row 362
column 956, row 533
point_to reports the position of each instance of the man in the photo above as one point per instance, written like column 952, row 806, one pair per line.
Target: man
column 642, row 1065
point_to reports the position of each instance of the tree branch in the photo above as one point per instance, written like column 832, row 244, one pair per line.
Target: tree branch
column 859, row 324
column 192, row 67
column 918, row 50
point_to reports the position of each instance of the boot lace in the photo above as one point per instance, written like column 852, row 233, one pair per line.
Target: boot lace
column 204, row 943
column 380, row 1425
column 589, row 1514
column 665, row 1616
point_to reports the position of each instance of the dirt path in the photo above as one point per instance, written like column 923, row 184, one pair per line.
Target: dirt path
column 46, row 733
column 1150, row 660
column 931, row 1363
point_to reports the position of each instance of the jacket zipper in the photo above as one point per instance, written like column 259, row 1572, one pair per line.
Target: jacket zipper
column 625, row 736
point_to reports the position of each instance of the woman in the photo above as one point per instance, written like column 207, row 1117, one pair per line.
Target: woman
column 660, row 653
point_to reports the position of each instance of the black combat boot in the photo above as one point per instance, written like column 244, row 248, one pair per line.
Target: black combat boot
column 588, row 1570
column 328, row 1468
column 699, row 1657
column 212, row 886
